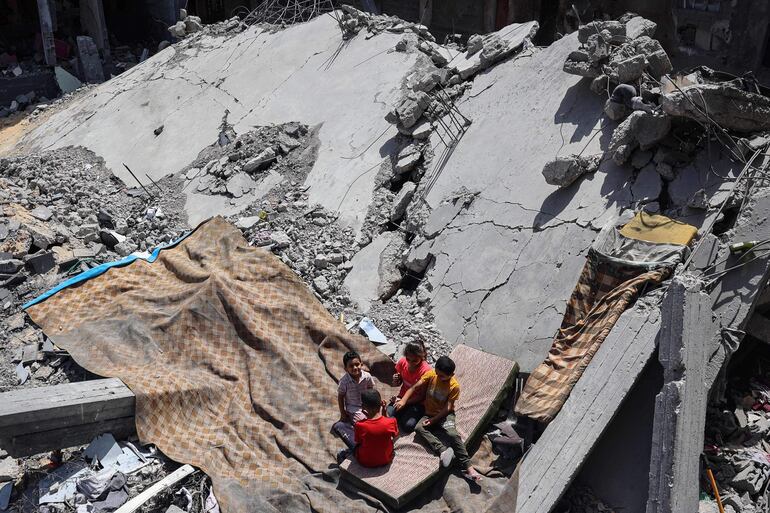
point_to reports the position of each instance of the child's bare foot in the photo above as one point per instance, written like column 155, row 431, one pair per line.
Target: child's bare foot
column 472, row 475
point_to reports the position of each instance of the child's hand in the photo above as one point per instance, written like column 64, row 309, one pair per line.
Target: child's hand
column 399, row 404
column 426, row 423
column 396, row 379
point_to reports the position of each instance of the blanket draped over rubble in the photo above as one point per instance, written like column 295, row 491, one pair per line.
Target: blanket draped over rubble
column 233, row 361
column 618, row 270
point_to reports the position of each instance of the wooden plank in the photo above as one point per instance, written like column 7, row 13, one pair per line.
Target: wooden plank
column 43, row 409
column 551, row 465
column 22, row 445
column 165, row 483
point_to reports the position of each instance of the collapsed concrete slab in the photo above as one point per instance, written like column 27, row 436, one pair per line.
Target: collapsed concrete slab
column 304, row 73
column 724, row 104
column 502, row 273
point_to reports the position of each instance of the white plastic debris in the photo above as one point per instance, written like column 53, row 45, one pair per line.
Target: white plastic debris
column 372, row 332
column 104, row 449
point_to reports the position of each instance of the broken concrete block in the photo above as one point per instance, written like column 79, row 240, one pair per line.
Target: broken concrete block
column 657, row 59
column 280, row 240
column 192, row 24
column 390, row 265
column 42, row 236
column 178, row 30
column 10, row 266
column 321, row 284
column 240, row 184
column 475, row 44
column 638, row 129
column 40, row 263
column 10, row 470
column 15, row 322
column 731, row 108
column 564, row 170
column 615, row 28
column 582, row 69
column 629, row 70
column 89, row 60
column 412, row 107
column 41, row 212
column 402, row 200
column 263, row 160
column 638, row 27
column 598, row 48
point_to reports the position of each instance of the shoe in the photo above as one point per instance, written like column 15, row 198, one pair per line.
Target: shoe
column 342, row 455
column 446, row 457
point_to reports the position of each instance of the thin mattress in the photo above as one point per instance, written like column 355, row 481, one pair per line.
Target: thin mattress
column 485, row 381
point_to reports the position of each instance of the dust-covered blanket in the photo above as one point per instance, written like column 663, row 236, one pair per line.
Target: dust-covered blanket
column 233, row 361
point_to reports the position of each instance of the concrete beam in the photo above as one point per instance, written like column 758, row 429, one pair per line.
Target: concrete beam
column 555, row 460
column 701, row 333
column 46, row 31
column 680, row 408
column 33, row 420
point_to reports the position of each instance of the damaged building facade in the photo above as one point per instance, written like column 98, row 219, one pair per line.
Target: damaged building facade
column 581, row 226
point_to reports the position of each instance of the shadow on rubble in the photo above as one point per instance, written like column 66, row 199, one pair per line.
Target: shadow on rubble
column 614, row 191
column 582, row 108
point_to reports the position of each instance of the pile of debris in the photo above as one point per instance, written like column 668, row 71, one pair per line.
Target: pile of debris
column 737, row 446
column 619, row 51
column 65, row 213
column 236, row 166
column 100, row 478
column 188, row 25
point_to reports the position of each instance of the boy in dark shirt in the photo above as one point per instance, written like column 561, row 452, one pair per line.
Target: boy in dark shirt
column 374, row 436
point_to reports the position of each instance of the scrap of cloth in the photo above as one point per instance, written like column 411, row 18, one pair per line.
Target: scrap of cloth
column 233, row 361
column 659, row 229
column 617, row 271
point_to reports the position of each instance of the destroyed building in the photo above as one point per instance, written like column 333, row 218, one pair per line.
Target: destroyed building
column 573, row 208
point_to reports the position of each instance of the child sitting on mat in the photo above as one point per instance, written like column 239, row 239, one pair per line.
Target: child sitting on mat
column 374, row 435
column 409, row 369
column 355, row 381
column 441, row 392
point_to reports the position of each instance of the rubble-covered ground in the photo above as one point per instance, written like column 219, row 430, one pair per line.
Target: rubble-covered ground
column 415, row 202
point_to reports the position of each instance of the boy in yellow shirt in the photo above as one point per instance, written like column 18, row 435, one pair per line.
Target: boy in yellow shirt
column 441, row 392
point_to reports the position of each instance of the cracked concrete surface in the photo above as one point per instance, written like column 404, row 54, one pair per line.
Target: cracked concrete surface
column 305, row 73
column 506, row 265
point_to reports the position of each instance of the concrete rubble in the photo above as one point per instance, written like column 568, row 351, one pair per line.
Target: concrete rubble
column 441, row 191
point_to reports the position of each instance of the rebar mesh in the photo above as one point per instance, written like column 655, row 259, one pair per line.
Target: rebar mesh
column 289, row 12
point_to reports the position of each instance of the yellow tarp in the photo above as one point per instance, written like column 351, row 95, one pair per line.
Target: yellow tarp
column 659, row 229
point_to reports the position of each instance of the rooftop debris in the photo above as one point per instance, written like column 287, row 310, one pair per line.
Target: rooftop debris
column 676, row 138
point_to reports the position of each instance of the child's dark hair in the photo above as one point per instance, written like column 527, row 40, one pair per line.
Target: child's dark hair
column 349, row 356
column 415, row 349
column 445, row 365
column 370, row 398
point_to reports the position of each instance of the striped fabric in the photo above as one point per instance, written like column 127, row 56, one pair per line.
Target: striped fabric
column 603, row 292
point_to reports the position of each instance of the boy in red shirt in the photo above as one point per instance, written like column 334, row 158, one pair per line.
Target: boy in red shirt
column 374, row 436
